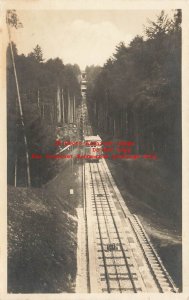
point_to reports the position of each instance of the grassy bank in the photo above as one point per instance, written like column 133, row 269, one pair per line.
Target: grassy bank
column 42, row 228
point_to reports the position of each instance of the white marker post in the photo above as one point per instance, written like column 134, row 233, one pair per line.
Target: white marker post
column 71, row 191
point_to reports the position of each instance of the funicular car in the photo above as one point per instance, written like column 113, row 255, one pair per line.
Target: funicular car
column 93, row 147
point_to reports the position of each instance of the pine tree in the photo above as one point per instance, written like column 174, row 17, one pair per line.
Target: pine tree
column 37, row 54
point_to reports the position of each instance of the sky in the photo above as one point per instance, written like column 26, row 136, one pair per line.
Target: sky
column 84, row 37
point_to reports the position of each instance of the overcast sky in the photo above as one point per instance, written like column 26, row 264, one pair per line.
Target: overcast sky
column 82, row 37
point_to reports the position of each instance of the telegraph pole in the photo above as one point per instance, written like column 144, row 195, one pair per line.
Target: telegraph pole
column 19, row 105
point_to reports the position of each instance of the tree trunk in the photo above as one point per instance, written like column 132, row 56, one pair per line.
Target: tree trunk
column 59, row 107
column 62, row 110
column 68, row 107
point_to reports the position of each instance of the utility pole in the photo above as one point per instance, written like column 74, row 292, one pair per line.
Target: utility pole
column 19, row 105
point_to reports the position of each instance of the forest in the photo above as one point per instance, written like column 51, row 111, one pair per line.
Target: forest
column 43, row 87
column 136, row 95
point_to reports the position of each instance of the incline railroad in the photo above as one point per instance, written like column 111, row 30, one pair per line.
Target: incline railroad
column 121, row 257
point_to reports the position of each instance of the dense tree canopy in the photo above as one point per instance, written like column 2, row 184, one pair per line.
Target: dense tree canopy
column 137, row 93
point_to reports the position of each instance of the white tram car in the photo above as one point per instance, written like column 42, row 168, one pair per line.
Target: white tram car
column 93, row 147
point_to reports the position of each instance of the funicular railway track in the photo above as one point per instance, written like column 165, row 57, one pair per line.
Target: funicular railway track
column 117, row 268
column 117, row 272
column 161, row 276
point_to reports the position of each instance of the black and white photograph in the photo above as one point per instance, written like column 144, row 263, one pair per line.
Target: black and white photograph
column 94, row 150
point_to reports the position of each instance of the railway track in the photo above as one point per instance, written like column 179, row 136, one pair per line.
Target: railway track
column 160, row 274
column 112, row 265
column 117, row 272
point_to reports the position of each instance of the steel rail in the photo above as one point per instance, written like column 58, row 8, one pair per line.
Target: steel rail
column 118, row 235
column 86, row 229
column 113, row 258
